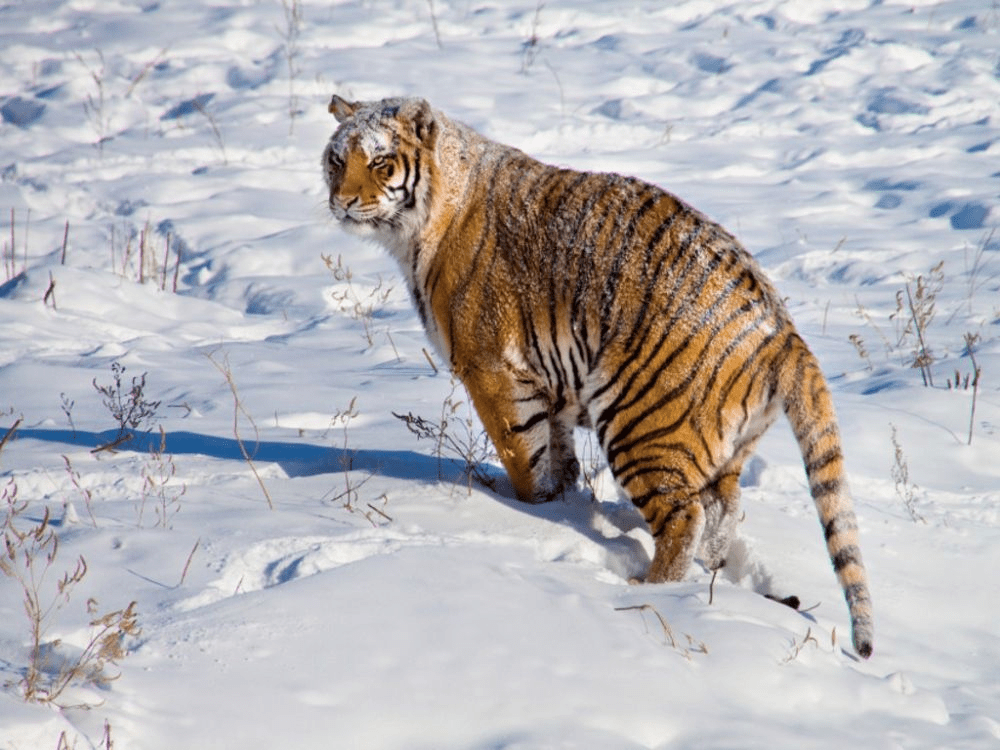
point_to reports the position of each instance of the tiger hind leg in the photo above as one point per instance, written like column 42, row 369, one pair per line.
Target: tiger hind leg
column 721, row 497
column 676, row 521
column 664, row 484
column 721, row 500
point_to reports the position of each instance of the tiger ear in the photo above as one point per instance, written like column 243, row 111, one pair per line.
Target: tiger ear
column 341, row 108
column 424, row 124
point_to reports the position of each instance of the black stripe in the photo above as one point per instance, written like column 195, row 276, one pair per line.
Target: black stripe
column 533, row 420
column 857, row 594
column 613, row 451
column 748, row 366
column 823, row 461
column 411, row 199
column 849, row 555
column 418, row 297
column 843, row 521
column 822, row 489
column 661, row 523
column 537, row 456
column 621, row 472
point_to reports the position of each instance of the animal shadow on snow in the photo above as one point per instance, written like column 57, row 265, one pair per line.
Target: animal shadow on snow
column 606, row 525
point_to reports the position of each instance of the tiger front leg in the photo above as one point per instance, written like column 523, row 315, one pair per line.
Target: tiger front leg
column 564, row 467
column 516, row 417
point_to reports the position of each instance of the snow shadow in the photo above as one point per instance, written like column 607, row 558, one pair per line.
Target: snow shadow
column 624, row 555
column 21, row 112
column 187, row 107
column 297, row 459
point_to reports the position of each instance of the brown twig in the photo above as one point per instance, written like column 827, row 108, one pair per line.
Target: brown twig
column 386, row 516
column 227, row 373
column 62, row 258
column 123, row 438
column 187, row 564
column 430, row 360
column 50, row 293
column 667, row 632
column 10, row 432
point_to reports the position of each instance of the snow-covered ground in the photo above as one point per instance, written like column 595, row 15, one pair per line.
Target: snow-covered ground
column 285, row 602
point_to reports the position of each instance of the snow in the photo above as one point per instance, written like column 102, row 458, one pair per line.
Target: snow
column 851, row 146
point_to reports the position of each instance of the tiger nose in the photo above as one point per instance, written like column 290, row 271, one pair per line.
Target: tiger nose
column 343, row 202
column 340, row 205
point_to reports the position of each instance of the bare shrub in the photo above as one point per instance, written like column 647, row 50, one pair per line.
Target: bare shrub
column 455, row 436
column 915, row 309
column 906, row 491
column 128, row 405
column 29, row 558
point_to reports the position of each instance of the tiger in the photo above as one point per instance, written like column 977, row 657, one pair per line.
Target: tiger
column 565, row 299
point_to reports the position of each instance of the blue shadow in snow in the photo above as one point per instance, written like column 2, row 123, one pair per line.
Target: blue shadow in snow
column 301, row 459
column 297, row 459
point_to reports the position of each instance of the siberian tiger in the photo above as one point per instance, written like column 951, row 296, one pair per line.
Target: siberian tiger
column 564, row 298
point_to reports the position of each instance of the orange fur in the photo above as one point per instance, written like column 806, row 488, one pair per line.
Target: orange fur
column 566, row 299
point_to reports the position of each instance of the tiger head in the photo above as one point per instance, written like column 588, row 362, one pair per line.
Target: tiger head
column 377, row 165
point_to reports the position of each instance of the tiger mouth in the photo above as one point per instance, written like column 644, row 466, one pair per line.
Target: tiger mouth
column 364, row 221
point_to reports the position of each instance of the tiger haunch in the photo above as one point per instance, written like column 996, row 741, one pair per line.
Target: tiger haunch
column 565, row 298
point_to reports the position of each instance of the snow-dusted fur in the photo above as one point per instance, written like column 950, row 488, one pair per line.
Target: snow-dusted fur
column 565, row 299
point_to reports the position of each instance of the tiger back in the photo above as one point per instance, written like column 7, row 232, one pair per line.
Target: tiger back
column 564, row 298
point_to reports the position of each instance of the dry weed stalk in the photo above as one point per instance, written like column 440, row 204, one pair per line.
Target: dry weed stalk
column 238, row 409
column 693, row 644
column 215, row 132
column 350, row 301
column 905, row 490
column 456, row 436
column 290, row 34
column 95, row 106
column 798, row 645
column 65, row 242
column 350, row 497
column 859, row 346
column 862, row 312
column 970, row 380
column 30, row 552
column 106, row 742
column 976, row 267
column 50, row 293
column 9, row 254
column 67, row 409
column 187, row 563
column 86, row 494
column 592, row 466
column 531, row 46
column 915, row 309
column 158, row 474
column 434, row 24
column 10, row 432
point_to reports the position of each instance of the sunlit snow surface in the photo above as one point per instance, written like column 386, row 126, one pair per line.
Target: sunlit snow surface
column 852, row 146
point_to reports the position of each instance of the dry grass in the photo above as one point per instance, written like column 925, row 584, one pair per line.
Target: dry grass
column 29, row 557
